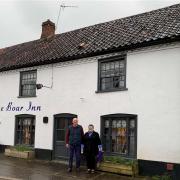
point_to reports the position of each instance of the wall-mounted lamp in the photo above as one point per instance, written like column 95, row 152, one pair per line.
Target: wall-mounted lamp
column 45, row 119
column 40, row 86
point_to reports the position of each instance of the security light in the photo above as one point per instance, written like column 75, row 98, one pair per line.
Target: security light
column 39, row 86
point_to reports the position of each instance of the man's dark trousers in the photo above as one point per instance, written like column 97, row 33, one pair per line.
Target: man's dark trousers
column 75, row 149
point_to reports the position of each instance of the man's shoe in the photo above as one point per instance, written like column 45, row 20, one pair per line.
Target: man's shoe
column 69, row 170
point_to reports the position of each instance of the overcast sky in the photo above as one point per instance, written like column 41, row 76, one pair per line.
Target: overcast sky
column 21, row 19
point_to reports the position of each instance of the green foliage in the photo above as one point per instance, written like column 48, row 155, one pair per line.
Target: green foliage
column 120, row 160
column 22, row 148
column 163, row 177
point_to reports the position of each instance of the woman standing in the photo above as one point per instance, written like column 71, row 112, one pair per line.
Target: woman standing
column 92, row 144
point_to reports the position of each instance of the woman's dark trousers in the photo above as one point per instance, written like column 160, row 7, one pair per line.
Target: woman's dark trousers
column 91, row 161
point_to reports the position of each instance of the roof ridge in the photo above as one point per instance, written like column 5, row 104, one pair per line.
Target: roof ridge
column 78, row 29
column 144, row 29
column 126, row 17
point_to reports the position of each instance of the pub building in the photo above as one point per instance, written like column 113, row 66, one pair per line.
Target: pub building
column 123, row 76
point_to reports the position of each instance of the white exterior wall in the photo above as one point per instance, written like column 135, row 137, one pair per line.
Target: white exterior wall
column 153, row 82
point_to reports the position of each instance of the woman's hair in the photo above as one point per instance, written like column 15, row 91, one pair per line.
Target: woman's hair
column 91, row 125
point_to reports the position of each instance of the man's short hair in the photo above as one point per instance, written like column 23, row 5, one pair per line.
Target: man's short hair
column 75, row 119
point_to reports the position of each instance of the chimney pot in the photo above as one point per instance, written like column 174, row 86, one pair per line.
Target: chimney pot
column 48, row 29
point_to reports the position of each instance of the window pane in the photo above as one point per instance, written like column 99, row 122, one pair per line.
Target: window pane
column 132, row 137
column 116, row 82
column 124, row 123
column 132, row 124
column 103, row 66
column 25, row 131
column 116, row 64
column 132, row 146
column 119, row 136
column 114, row 135
column 121, row 84
column 18, row 135
column 107, row 66
column 114, row 146
column 112, row 74
column 19, row 124
column 28, row 83
column 122, row 149
column 114, row 124
column 112, row 65
column 106, row 131
column 106, row 123
column 103, row 74
column 122, row 64
column 106, row 83
column 106, row 128
column 108, row 73
column 119, row 124
column 106, row 143
column 122, row 139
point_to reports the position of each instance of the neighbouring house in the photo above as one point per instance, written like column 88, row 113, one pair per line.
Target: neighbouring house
column 123, row 76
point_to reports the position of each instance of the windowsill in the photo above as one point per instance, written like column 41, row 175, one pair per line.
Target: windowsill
column 26, row 96
column 112, row 90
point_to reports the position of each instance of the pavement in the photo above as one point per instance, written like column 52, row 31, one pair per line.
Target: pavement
column 20, row 169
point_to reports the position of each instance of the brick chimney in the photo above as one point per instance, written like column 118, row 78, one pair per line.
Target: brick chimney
column 48, row 29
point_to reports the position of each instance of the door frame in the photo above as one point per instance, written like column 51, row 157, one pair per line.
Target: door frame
column 59, row 115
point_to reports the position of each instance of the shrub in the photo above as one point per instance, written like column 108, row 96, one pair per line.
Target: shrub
column 119, row 160
column 22, row 148
column 163, row 177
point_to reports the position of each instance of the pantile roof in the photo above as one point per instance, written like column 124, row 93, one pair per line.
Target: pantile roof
column 158, row 26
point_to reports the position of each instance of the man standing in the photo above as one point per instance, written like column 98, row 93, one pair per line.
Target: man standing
column 74, row 137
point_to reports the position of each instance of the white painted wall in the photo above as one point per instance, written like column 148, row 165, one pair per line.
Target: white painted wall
column 153, row 82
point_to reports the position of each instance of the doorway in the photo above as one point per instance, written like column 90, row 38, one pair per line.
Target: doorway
column 61, row 124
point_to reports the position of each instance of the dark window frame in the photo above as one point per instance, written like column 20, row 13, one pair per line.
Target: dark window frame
column 20, row 84
column 119, row 115
column 111, row 59
column 20, row 116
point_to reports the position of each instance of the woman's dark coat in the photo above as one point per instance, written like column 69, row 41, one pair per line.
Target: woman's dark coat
column 91, row 143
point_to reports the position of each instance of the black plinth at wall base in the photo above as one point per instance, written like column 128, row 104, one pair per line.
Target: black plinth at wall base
column 152, row 168
column 2, row 148
column 43, row 154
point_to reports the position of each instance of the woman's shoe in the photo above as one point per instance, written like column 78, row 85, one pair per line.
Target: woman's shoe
column 69, row 170
column 88, row 171
column 92, row 171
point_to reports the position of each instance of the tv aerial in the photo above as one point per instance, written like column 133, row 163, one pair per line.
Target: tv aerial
column 61, row 8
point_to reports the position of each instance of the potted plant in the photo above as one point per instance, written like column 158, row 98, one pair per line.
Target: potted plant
column 20, row 151
column 119, row 165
